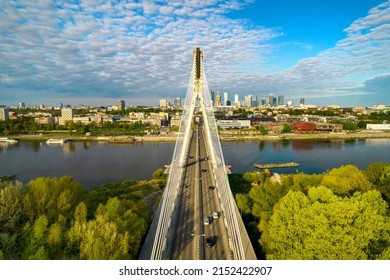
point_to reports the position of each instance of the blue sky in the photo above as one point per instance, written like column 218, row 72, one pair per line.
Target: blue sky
column 94, row 52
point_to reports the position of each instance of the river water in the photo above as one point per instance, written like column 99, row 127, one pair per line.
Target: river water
column 95, row 163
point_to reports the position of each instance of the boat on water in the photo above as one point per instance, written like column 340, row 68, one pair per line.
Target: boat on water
column 8, row 140
column 57, row 141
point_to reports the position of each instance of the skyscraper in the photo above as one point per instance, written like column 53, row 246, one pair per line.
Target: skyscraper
column 218, row 99
column 281, row 100
column 212, row 97
column 177, row 102
column 225, row 98
column 236, row 99
column 271, row 100
column 248, row 101
column 121, row 105
column 3, row 114
column 302, row 101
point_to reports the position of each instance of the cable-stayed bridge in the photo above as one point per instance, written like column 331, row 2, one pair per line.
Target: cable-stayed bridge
column 197, row 217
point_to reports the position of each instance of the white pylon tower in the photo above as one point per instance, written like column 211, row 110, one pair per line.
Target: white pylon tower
column 198, row 95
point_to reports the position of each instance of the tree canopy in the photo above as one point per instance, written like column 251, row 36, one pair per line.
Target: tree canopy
column 341, row 214
column 322, row 225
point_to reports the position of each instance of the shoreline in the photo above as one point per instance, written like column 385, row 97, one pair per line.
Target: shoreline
column 223, row 137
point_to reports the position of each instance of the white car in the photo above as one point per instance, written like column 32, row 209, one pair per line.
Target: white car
column 215, row 214
column 206, row 220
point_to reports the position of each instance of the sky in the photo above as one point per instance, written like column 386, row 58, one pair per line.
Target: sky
column 94, row 52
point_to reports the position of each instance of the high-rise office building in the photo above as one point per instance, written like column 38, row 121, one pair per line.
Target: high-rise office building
column 177, row 102
column 236, row 99
column 225, row 98
column 22, row 105
column 212, row 97
column 254, row 101
column 271, row 100
column 258, row 100
column 302, row 101
column 164, row 103
column 218, row 99
column 248, row 101
column 3, row 114
column 281, row 100
column 121, row 105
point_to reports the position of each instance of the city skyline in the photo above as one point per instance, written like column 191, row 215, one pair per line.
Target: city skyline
column 82, row 52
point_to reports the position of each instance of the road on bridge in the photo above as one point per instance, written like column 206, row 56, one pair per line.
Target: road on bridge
column 198, row 198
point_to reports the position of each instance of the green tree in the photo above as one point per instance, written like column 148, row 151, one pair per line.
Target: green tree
column 159, row 174
column 244, row 203
column 52, row 197
column 9, row 246
column 351, row 126
column 115, row 233
column 56, row 241
column 374, row 171
column 262, row 129
column 346, row 180
column 264, row 197
column 10, row 210
column 35, row 239
column 287, row 128
column 254, row 177
column 302, row 182
column 324, row 226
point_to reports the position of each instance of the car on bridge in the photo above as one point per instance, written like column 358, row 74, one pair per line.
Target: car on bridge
column 207, row 220
column 209, row 241
column 215, row 214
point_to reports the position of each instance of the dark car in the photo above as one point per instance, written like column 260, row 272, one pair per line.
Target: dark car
column 209, row 241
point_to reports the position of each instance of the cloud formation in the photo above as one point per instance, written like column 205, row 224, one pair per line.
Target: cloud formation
column 142, row 50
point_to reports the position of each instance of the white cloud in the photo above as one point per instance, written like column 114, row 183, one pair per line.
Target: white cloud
column 133, row 49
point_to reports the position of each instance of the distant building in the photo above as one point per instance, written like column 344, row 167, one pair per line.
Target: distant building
column 66, row 115
column 248, row 101
column 3, row 114
column 177, row 102
column 41, row 106
column 236, row 99
column 22, row 105
column 378, row 126
column 281, row 100
column 164, row 103
column 121, row 105
column 235, row 123
column 45, row 120
column 218, row 101
column 302, row 101
column 271, row 100
column 212, row 97
column 225, row 98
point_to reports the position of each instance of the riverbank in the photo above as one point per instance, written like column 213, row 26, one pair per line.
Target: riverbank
column 224, row 136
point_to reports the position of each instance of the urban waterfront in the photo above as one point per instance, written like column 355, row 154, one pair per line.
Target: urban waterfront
column 95, row 163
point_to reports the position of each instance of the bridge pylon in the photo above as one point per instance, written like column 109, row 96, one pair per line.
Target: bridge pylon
column 159, row 242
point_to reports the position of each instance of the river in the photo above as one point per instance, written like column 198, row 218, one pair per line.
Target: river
column 95, row 163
